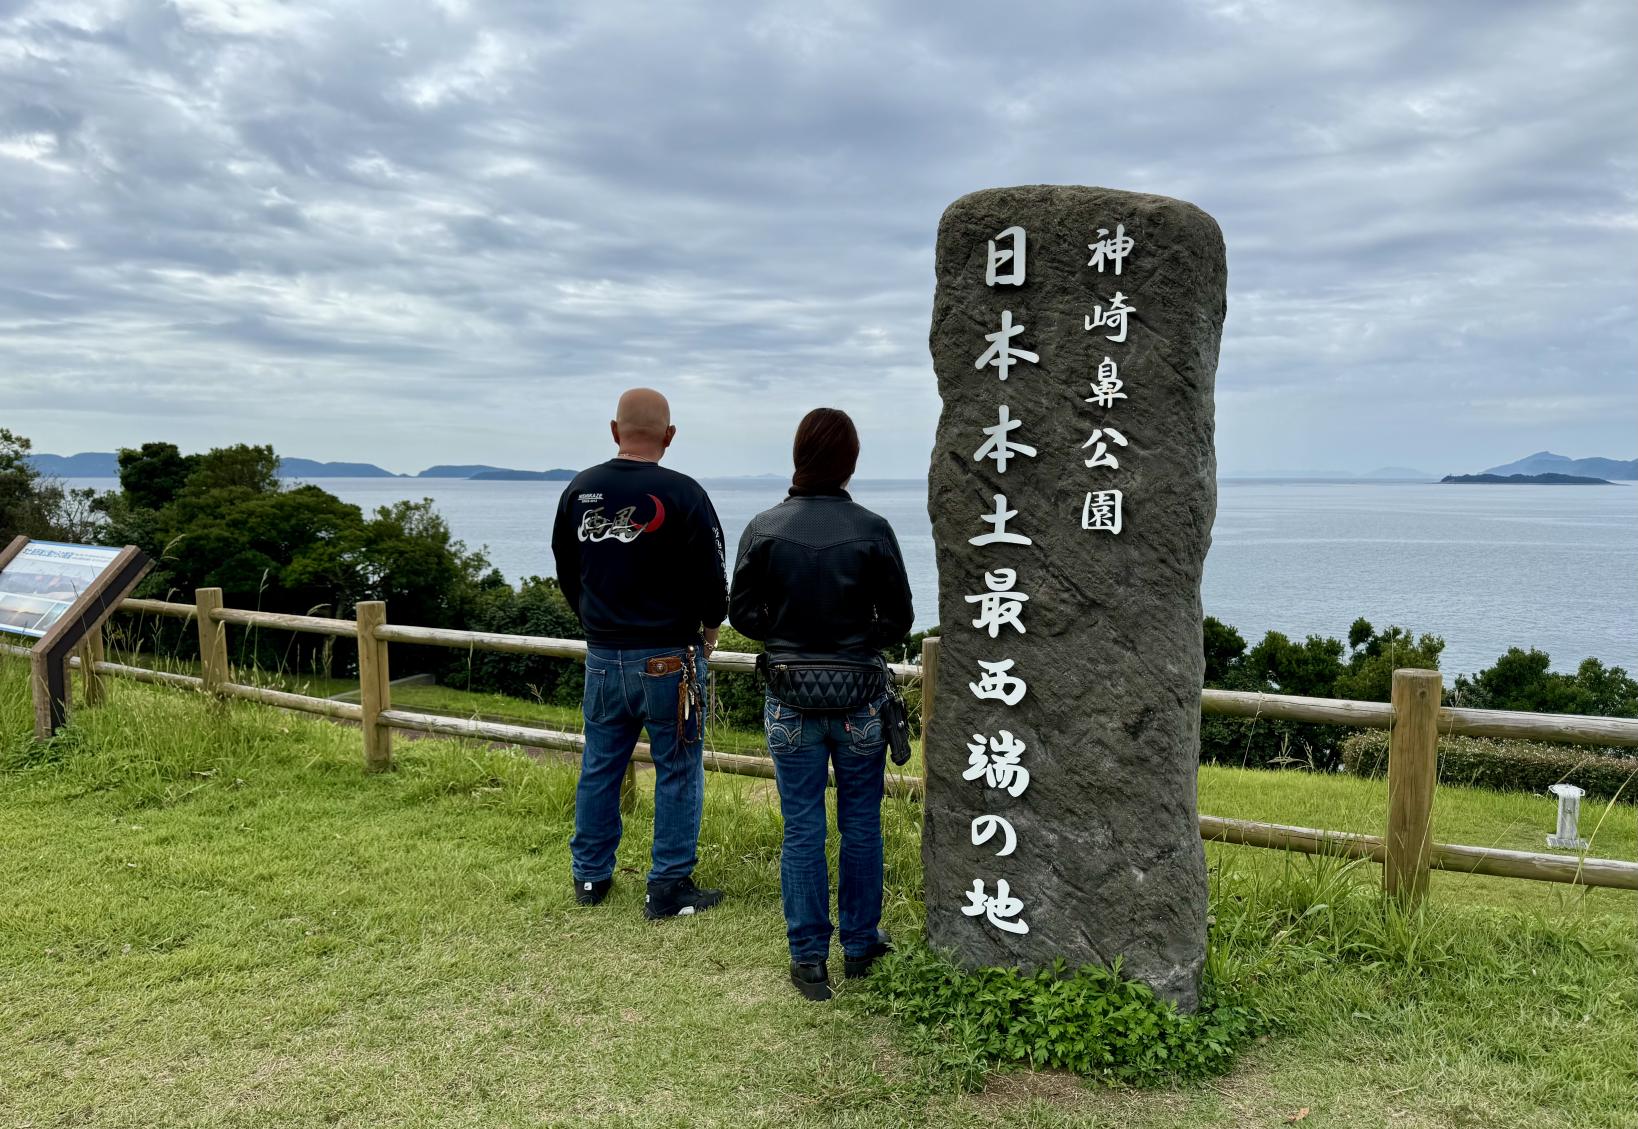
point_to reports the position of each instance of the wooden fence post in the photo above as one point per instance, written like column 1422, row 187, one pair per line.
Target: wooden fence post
column 1413, row 770
column 628, row 788
column 213, row 652
column 929, row 676
column 374, row 689
column 91, row 653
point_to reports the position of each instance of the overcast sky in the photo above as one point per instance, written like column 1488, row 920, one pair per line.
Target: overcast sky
column 413, row 232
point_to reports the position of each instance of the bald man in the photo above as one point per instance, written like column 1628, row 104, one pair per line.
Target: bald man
column 640, row 559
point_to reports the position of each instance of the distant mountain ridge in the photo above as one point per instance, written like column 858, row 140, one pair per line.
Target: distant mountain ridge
column 312, row 468
column 1545, row 462
column 86, row 464
column 105, row 464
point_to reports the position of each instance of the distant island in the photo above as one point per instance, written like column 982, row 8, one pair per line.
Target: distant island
column 1545, row 462
column 486, row 473
column 501, row 475
column 1526, row 480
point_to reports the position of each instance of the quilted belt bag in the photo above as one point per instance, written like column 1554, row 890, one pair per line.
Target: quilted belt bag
column 833, row 685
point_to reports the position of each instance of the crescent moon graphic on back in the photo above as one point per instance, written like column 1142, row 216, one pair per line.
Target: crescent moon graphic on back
column 654, row 523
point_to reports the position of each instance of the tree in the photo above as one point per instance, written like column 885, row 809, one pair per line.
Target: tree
column 1369, row 677
column 1317, row 667
column 36, row 506
column 153, row 474
column 241, row 466
column 1525, row 680
column 1224, row 648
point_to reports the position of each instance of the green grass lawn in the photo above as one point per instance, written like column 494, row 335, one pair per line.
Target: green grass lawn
column 212, row 918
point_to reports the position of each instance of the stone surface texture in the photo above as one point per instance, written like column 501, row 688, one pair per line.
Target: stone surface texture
column 1108, row 863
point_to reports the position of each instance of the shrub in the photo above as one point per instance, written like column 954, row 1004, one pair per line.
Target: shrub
column 1091, row 1021
column 1508, row 766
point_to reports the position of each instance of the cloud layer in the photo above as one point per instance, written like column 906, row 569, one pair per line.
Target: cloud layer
column 412, row 232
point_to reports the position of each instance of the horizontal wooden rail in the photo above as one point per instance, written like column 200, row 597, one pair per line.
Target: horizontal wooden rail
column 1570, row 729
column 531, row 738
column 732, row 661
column 1307, row 840
column 483, row 641
column 1564, row 728
column 157, row 607
column 1288, row 707
column 158, row 677
column 1493, row 861
column 347, row 711
column 314, row 624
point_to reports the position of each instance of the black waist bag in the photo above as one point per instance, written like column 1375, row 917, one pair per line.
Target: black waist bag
column 832, row 686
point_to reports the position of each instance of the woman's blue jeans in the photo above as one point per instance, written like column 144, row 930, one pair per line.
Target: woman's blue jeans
column 805, row 746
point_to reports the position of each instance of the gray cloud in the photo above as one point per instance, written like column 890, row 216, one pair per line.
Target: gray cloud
column 418, row 232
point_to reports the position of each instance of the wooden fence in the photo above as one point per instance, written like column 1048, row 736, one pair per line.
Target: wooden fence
column 1414, row 718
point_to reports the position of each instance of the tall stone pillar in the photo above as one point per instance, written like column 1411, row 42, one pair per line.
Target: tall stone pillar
column 1073, row 485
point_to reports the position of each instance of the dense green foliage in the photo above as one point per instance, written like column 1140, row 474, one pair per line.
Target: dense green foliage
column 1317, row 667
column 1509, row 766
column 1521, row 680
column 224, row 519
column 1088, row 1020
column 535, row 607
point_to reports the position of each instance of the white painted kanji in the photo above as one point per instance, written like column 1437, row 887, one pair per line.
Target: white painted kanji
column 995, row 760
column 1113, row 318
column 995, row 683
column 1110, row 249
column 1101, row 456
column 998, row 534
column 1001, row 355
column 1002, row 256
column 1101, row 510
column 1000, row 911
column 999, row 446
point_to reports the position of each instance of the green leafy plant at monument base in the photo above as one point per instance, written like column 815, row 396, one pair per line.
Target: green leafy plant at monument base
column 1091, row 1020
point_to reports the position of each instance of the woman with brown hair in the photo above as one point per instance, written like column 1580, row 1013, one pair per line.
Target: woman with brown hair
column 821, row 582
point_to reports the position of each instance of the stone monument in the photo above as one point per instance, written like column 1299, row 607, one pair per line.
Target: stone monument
column 1072, row 491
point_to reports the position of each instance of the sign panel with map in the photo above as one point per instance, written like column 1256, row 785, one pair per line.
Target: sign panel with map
column 40, row 584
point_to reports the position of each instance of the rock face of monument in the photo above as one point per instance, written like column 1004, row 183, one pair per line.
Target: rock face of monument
column 1072, row 490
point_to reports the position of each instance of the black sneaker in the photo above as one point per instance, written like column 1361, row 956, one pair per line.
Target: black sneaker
column 856, row 967
column 677, row 898
column 811, row 978
column 592, row 893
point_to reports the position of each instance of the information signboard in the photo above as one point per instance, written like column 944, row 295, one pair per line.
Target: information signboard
column 57, row 594
column 42, row 582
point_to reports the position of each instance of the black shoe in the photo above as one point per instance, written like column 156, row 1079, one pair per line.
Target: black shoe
column 811, row 978
column 856, row 967
column 677, row 898
column 592, row 893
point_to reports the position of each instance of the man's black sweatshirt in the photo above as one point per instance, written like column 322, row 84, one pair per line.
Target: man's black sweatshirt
column 640, row 555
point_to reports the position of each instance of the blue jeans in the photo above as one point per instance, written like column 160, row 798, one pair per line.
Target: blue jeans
column 621, row 700
column 804, row 747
